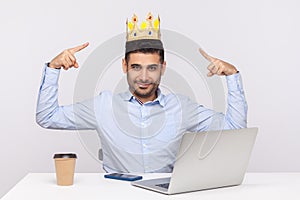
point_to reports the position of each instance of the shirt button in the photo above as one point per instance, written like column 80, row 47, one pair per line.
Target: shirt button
column 144, row 145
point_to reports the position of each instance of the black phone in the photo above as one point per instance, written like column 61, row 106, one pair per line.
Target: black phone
column 123, row 177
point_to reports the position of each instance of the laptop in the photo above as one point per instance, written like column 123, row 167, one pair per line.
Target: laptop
column 207, row 160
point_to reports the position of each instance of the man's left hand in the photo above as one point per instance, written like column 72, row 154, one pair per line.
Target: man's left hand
column 218, row 66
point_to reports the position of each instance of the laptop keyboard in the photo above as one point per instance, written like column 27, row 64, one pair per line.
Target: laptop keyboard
column 163, row 185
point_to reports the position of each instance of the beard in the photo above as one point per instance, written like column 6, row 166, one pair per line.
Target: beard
column 145, row 92
column 143, row 89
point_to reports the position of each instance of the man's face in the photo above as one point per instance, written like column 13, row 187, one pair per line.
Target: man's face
column 144, row 72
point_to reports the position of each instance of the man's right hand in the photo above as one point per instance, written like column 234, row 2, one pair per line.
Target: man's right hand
column 66, row 59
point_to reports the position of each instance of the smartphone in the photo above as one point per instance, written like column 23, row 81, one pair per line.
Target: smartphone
column 123, row 177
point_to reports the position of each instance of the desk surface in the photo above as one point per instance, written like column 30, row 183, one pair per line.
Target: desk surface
column 93, row 186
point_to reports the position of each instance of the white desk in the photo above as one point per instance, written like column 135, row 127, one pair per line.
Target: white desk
column 89, row 186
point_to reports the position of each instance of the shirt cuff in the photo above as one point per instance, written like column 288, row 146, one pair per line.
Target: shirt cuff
column 50, row 75
column 234, row 82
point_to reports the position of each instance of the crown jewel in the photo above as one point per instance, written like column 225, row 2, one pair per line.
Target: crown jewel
column 149, row 29
column 147, row 36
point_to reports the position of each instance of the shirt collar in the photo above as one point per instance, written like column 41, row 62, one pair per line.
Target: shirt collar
column 128, row 96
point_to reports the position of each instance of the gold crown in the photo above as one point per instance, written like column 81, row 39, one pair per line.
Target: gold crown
column 147, row 30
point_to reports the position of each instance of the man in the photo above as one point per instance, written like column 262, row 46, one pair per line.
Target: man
column 140, row 129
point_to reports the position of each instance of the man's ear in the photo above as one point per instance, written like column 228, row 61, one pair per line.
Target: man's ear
column 163, row 68
column 124, row 65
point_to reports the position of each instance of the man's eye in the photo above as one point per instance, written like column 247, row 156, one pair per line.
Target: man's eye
column 136, row 67
column 152, row 68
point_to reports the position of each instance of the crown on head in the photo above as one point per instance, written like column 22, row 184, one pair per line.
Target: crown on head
column 147, row 29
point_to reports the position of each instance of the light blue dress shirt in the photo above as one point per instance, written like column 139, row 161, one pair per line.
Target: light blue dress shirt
column 138, row 137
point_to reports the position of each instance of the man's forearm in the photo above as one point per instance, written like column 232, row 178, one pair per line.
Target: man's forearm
column 49, row 114
column 236, row 114
column 47, row 101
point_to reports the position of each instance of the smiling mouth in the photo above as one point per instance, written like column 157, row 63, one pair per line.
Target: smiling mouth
column 143, row 85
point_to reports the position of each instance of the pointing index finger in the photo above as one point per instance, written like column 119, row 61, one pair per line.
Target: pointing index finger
column 206, row 56
column 79, row 48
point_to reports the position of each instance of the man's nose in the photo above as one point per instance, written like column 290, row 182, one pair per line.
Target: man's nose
column 144, row 74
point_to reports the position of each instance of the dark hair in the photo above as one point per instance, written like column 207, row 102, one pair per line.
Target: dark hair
column 160, row 52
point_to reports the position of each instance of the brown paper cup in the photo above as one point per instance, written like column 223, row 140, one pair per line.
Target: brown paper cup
column 65, row 167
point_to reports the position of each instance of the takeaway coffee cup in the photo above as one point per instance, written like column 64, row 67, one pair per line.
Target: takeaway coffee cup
column 65, row 167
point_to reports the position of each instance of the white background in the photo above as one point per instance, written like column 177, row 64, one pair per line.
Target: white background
column 260, row 37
